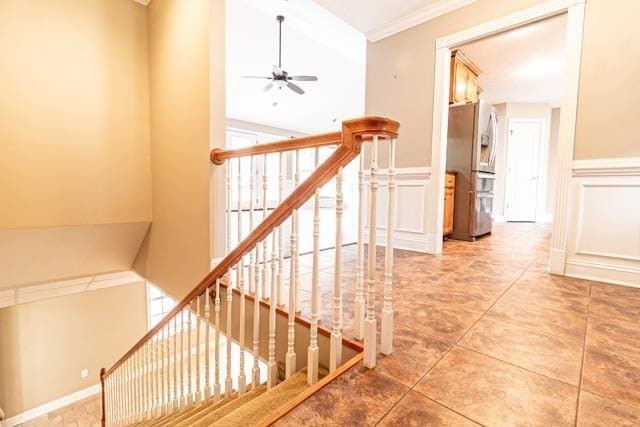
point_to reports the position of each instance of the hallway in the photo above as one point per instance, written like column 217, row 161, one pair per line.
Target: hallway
column 484, row 335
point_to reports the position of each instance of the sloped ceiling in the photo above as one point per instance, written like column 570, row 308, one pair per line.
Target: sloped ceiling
column 30, row 256
column 314, row 42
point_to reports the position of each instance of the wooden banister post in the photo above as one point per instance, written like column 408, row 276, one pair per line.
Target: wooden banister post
column 104, row 414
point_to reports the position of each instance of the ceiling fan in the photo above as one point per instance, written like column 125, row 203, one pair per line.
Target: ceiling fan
column 280, row 78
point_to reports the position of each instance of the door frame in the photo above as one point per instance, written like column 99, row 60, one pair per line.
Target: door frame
column 539, row 166
column 573, row 51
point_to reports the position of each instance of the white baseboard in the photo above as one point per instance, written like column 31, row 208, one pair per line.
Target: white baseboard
column 602, row 272
column 51, row 406
column 557, row 260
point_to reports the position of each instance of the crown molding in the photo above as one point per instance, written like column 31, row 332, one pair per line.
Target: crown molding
column 43, row 291
column 416, row 18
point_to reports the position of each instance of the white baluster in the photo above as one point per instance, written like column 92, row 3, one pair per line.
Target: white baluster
column 207, row 354
column 257, row 268
column 228, row 204
column 290, row 361
column 157, row 398
column 198, row 394
column 255, row 377
column 370, row 323
column 165, row 369
column 280, row 234
column 216, row 366
column 183, row 394
column 242, row 379
column 190, row 395
column 137, row 368
column 149, row 379
column 313, row 354
column 252, row 258
column 335, row 356
column 228, row 384
column 386, row 332
column 264, row 242
column 272, row 367
column 297, row 233
column 358, row 312
column 175, row 402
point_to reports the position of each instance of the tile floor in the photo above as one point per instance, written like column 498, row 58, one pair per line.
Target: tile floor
column 485, row 336
column 83, row 413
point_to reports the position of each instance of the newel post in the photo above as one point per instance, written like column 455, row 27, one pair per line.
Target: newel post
column 104, row 412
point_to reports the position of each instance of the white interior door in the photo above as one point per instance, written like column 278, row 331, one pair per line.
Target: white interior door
column 523, row 151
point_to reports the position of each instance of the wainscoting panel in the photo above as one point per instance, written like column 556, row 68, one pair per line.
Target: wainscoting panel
column 604, row 221
column 412, row 190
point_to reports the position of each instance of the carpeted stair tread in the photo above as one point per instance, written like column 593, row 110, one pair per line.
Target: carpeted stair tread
column 174, row 416
column 252, row 412
column 219, row 411
column 205, row 407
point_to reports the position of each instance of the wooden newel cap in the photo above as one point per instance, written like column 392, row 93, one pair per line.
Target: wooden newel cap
column 214, row 156
column 367, row 127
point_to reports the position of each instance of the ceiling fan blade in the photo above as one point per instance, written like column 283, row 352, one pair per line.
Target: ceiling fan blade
column 297, row 89
column 255, row 77
column 267, row 87
column 303, row 78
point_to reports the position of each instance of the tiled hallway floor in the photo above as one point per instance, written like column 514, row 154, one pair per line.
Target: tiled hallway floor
column 484, row 335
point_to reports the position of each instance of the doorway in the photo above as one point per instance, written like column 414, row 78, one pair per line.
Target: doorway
column 574, row 10
column 523, row 153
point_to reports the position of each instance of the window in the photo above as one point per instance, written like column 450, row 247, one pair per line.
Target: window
column 158, row 305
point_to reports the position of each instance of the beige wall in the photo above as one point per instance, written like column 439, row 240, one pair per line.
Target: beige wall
column 607, row 124
column 44, row 345
column 400, row 73
column 74, row 113
column 176, row 252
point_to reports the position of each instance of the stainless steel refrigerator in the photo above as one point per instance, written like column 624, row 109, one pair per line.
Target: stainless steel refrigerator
column 471, row 151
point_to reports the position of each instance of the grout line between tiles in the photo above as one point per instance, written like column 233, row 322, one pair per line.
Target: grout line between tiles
column 584, row 352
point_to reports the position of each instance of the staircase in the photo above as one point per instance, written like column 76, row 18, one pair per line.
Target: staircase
column 235, row 350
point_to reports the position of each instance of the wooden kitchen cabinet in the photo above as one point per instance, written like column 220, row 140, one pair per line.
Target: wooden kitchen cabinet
column 464, row 79
column 449, row 195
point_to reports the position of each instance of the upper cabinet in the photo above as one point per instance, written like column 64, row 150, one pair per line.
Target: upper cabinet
column 464, row 79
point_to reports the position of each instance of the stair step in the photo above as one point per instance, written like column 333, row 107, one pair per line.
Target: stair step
column 206, row 418
column 253, row 412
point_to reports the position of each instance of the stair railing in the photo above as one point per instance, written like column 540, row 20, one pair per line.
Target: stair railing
column 169, row 368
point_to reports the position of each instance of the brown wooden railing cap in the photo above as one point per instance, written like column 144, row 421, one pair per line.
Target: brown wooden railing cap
column 365, row 128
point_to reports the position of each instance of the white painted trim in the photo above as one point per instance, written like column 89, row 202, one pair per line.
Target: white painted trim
column 418, row 17
column 507, row 22
column 412, row 236
column 629, row 166
column 573, row 51
column 603, row 272
column 51, row 406
column 43, row 291
column 417, row 173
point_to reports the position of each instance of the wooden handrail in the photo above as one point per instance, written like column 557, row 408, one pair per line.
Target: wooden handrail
column 354, row 132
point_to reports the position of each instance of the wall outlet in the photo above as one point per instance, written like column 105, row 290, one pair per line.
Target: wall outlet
column 84, row 373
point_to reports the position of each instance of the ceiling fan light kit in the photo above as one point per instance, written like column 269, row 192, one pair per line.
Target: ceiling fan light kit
column 279, row 77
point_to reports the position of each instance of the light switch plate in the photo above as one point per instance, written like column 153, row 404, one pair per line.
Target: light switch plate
column 84, row 373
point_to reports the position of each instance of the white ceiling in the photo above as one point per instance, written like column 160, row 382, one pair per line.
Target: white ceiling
column 379, row 19
column 314, row 42
column 522, row 65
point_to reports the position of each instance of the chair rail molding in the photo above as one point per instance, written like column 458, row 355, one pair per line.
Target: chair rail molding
column 412, row 190
column 604, row 221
